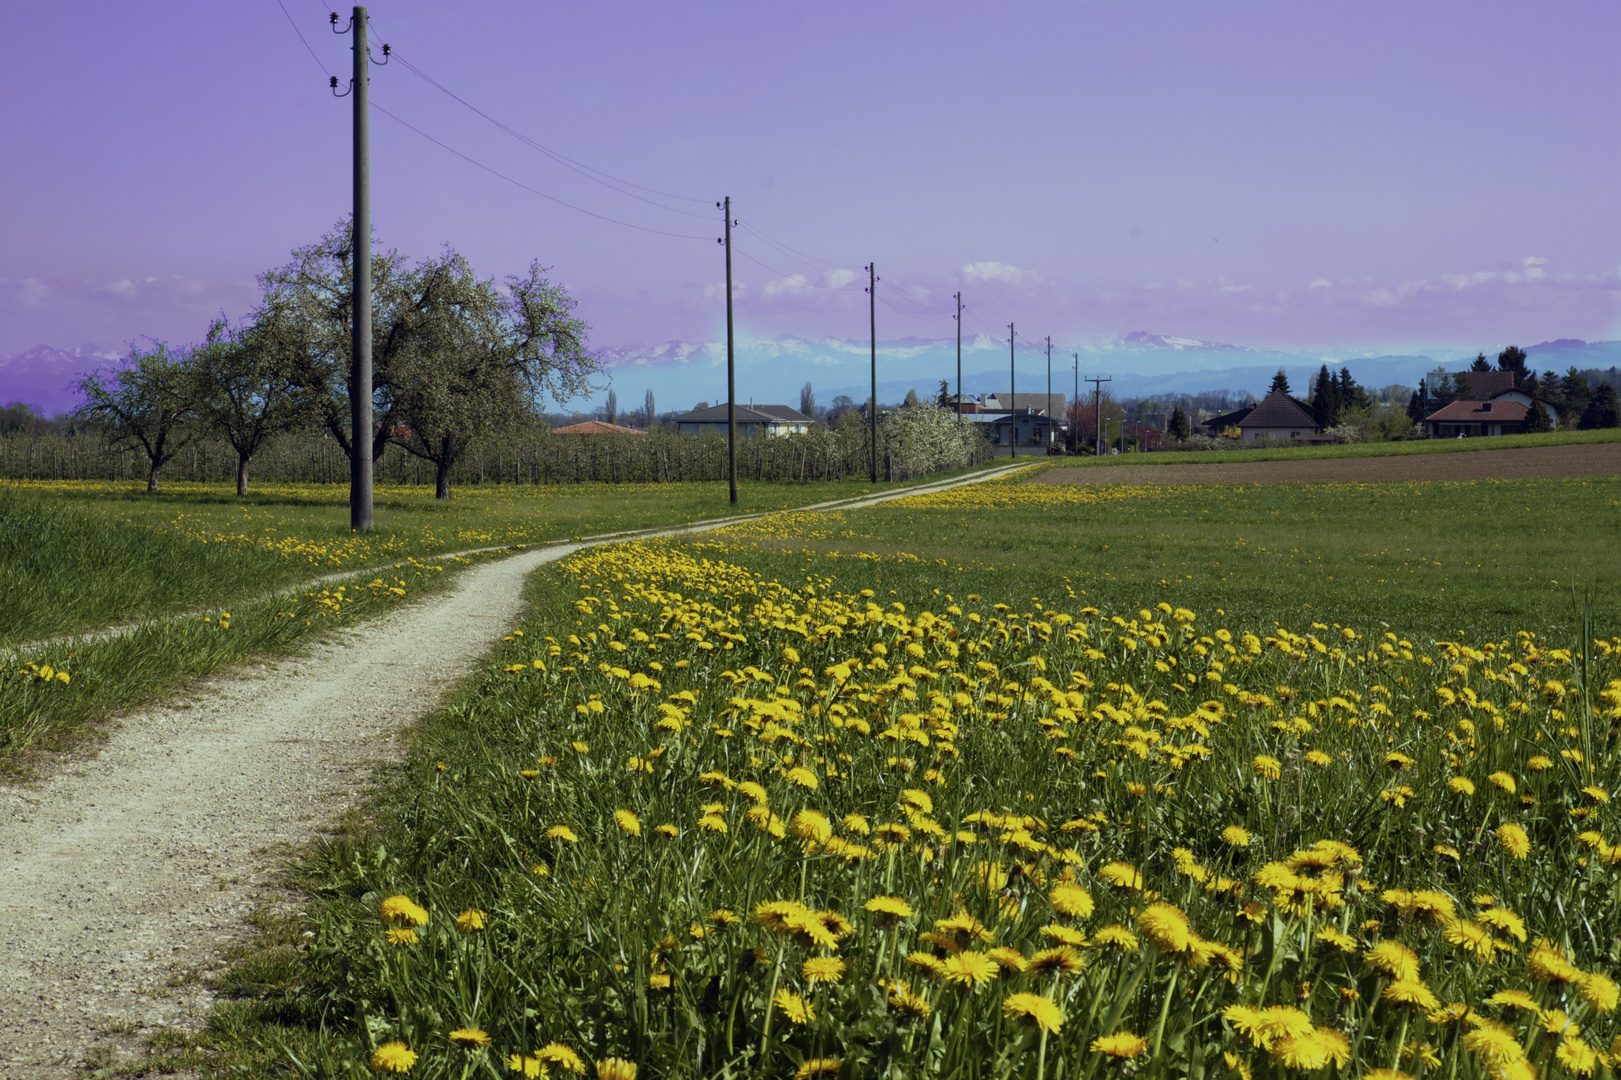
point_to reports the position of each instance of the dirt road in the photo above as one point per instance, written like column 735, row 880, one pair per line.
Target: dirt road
column 1597, row 459
column 120, row 869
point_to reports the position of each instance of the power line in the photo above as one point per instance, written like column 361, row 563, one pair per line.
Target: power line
column 313, row 54
column 800, row 278
column 532, row 190
column 607, row 180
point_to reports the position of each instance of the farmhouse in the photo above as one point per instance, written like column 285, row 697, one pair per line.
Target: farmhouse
column 1462, row 419
column 1035, row 433
column 751, row 420
column 1278, row 415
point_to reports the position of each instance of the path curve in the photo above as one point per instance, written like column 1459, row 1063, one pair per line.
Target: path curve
column 119, row 869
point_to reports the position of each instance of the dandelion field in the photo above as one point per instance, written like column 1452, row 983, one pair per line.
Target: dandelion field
column 78, row 555
column 767, row 805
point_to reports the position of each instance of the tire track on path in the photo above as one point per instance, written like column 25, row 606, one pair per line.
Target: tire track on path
column 118, row 869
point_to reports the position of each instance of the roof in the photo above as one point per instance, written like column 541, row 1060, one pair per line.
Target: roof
column 746, row 414
column 1227, row 420
column 1507, row 412
column 596, row 427
column 1485, row 384
column 1279, row 410
column 1051, row 404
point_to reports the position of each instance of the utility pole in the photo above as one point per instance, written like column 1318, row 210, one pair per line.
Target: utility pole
column 1076, row 402
column 872, row 315
column 1012, row 396
column 731, row 374
column 959, row 357
column 1097, row 411
column 360, row 422
column 1049, row 392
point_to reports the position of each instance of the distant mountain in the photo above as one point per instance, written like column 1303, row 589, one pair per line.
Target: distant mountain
column 44, row 376
column 772, row 370
column 1569, row 352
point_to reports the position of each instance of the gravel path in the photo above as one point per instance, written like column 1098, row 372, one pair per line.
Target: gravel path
column 119, row 871
column 1593, row 459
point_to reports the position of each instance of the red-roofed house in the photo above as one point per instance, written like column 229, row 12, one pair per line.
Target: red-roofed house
column 1461, row 419
column 596, row 427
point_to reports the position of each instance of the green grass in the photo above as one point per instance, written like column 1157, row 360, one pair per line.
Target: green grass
column 58, row 695
column 84, row 555
column 1477, row 559
column 1572, row 437
column 567, row 956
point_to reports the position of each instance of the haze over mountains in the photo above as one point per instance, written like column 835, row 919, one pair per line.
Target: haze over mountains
column 772, row 370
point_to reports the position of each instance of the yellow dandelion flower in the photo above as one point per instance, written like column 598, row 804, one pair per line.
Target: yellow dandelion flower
column 1547, row 963
column 561, row 1056
column 616, row 1069
column 968, row 969
column 822, row 969
column 1576, row 1055
column 1601, row 992
column 393, row 1057
column 401, row 911
column 1122, row 1044
column 1236, row 835
column 1116, row 937
column 1010, row 959
column 531, row 1067
column 1495, row 1046
column 1167, row 927
column 888, row 909
column 1064, row 935
column 470, row 1037
column 1394, row 959
column 1121, row 875
column 563, row 833
column 1035, row 1010
column 1473, row 939
column 1316, row 1050
column 753, row 792
column 812, row 825
column 1071, row 900
column 1337, row 939
column 1267, row 767
column 628, row 823
column 1516, row 999
column 855, row 823
column 800, row 776
column 1411, row 992
column 470, row 920
column 714, row 823
column 795, row 1009
column 1513, row 840
column 901, row 998
column 818, row 1067
column 1264, row 1027
column 1503, row 782
column 668, row 830
column 401, row 935
column 1317, row 757
column 1461, row 785
column 1503, row 921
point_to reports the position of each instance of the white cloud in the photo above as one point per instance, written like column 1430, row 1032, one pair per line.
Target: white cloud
column 1321, row 283
column 838, row 279
column 788, row 286
column 1005, row 273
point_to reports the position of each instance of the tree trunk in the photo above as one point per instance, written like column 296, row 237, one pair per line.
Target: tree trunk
column 152, row 478
column 441, row 484
column 241, row 474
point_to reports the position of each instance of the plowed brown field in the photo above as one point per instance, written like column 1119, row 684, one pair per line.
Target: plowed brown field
column 1594, row 459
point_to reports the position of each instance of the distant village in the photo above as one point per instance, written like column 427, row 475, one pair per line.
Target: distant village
column 1488, row 398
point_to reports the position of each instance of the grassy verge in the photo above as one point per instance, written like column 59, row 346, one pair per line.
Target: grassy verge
column 59, row 696
column 80, row 555
column 1353, row 450
column 788, row 796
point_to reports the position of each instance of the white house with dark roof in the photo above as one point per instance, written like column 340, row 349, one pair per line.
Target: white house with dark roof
column 751, row 420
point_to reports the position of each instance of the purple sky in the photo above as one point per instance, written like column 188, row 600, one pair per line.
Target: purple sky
column 1292, row 174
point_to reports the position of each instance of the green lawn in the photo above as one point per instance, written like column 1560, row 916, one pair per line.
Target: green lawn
column 83, row 555
column 1352, row 450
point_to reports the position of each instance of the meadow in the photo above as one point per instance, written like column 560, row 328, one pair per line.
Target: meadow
column 1569, row 437
column 77, row 555
column 912, row 792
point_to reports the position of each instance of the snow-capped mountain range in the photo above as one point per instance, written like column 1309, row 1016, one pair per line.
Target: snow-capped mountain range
column 772, row 370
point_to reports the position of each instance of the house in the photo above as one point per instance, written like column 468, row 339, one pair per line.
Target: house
column 751, row 420
column 1035, row 433
column 1463, row 419
column 1044, row 404
column 1278, row 415
column 596, row 427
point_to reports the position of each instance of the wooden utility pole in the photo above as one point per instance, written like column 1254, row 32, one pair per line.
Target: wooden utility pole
column 1076, row 402
column 731, row 369
column 1049, row 392
column 959, row 357
column 360, row 433
column 1097, row 412
column 872, row 316
column 1012, row 396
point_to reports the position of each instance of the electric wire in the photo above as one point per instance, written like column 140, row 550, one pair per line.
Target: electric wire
column 532, row 190
column 800, row 278
column 313, row 54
